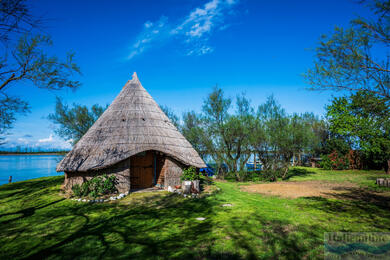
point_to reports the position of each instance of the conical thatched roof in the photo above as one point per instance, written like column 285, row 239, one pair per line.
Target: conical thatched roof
column 133, row 123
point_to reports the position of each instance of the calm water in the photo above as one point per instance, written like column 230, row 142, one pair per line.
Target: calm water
column 25, row 167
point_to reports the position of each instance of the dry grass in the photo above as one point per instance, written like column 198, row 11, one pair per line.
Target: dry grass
column 301, row 189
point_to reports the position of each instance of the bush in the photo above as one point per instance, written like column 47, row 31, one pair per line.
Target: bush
column 334, row 161
column 97, row 186
column 189, row 174
column 77, row 190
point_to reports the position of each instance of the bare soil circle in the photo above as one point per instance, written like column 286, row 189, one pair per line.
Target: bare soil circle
column 301, row 189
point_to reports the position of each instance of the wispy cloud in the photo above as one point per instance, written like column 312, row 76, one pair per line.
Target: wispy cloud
column 46, row 140
column 26, row 141
column 193, row 30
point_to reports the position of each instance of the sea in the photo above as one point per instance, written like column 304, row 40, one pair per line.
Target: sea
column 26, row 167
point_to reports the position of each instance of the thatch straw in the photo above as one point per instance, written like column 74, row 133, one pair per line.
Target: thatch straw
column 133, row 123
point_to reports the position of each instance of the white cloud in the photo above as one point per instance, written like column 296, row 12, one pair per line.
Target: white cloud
column 46, row 140
column 193, row 30
column 23, row 141
column 49, row 143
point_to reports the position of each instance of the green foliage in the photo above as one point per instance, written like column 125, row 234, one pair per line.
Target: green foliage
column 77, row 191
column 334, row 161
column 190, row 174
column 73, row 123
column 194, row 130
column 95, row 187
column 364, row 117
column 279, row 137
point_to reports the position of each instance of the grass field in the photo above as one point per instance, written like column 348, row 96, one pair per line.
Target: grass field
column 36, row 221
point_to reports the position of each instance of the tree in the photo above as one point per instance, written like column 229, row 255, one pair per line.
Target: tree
column 365, row 118
column 355, row 59
column 24, row 60
column 237, row 135
column 73, row 123
column 280, row 137
column 215, row 114
column 194, row 130
column 268, row 115
column 229, row 136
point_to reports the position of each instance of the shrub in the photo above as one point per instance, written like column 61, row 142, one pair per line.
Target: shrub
column 97, row 186
column 77, row 190
column 334, row 161
column 189, row 174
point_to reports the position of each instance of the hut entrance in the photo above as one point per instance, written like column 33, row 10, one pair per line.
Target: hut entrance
column 142, row 170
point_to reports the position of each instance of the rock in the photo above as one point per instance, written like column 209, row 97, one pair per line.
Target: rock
column 200, row 218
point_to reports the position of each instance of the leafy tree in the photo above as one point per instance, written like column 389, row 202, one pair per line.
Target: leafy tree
column 354, row 59
column 215, row 114
column 268, row 116
column 365, row 118
column 194, row 130
column 238, row 134
column 73, row 123
column 24, row 60
column 280, row 137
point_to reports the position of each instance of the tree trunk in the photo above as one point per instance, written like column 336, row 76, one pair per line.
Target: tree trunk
column 388, row 166
column 300, row 159
column 254, row 162
column 293, row 160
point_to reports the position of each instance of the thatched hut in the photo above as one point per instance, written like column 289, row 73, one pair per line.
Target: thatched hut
column 133, row 140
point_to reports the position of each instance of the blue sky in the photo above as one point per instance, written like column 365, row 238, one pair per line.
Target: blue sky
column 180, row 49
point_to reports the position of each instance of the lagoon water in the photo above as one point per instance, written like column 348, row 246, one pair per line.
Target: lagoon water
column 25, row 167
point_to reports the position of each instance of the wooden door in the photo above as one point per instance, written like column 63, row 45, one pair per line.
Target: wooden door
column 141, row 170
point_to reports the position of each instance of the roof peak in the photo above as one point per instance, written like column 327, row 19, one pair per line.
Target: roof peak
column 134, row 77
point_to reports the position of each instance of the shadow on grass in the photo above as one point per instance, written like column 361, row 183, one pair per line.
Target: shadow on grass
column 368, row 206
column 297, row 172
column 26, row 188
column 276, row 238
column 164, row 228
column 158, row 225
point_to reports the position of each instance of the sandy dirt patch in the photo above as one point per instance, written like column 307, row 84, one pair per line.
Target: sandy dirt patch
column 301, row 189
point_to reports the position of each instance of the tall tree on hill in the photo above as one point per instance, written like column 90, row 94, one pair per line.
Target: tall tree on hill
column 24, row 60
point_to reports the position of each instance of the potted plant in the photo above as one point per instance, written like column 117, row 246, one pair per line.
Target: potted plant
column 190, row 179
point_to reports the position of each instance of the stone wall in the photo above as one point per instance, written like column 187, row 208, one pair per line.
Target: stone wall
column 172, row 170
column 121, row 171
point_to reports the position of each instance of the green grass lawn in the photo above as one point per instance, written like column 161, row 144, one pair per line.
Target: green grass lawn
column 37, row 222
